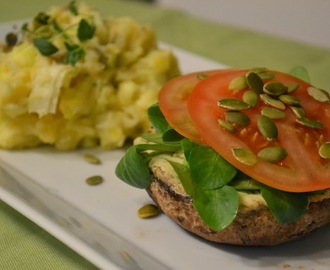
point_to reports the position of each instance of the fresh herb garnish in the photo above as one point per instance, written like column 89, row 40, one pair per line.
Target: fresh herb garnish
column 45, row 47
column 45, row 29
column 73, row 8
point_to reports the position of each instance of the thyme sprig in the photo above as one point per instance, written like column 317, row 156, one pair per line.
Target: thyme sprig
column 45, row 29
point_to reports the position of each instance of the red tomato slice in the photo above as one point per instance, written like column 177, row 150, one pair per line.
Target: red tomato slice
column 173, row 102
column 302, row 170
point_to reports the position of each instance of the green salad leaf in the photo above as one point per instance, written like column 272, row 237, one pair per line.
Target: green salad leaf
column 286, row 207
column 217, row 207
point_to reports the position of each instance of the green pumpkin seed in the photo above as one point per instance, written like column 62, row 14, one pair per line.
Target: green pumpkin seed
column 238, row 84
column 272, row 102
column 258, row 70
column 309, row 123
column 254, row 82
column 94, row 180
column 238, row 118
column 201, row 76
column 273, row 113
column 272, row 154
column 275, row 88
column 92, row 159
column 226, row 125
column 267, row 128
column 292, row 87
column 324, row 150
column 148, row 211
column 233, row 104
column 266, row 76
column 244, row 156
column 250, row 97
column 289, row 100
column 298, row 111
column 318, row 94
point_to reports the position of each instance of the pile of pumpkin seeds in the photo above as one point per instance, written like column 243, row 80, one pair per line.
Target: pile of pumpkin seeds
column 278, row 97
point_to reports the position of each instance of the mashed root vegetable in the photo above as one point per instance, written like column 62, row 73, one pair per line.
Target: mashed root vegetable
column 91, row 91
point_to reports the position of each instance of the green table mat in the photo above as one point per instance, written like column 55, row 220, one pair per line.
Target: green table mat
column 23, row 244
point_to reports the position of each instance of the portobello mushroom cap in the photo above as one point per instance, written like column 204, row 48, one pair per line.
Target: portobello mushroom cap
column 253, row 225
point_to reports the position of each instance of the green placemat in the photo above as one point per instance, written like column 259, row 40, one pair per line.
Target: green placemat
column 23, row 244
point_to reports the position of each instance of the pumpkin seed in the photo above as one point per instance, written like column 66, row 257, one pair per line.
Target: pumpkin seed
column 258, row 70
column 309, row 123
column 298, row 111
column 250, row 97
column 148, row 211
column 273, row 113
column 272, row 154
column 238, row 84
column 226, row 125
column 244, row 156
column 94, row 180
column 92, row 159
column 201, row 76
column 292, row 87
column 324, row 150
column 233, row 104
column 238, row 118
column 290, row 100
column 267, row 128
column 318, row 94
column 254, row 82
column 266, row 76
column 272, row 102
column 275, row 88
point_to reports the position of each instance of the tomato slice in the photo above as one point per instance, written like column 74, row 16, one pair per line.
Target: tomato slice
column 302, row 170
column 173, row 102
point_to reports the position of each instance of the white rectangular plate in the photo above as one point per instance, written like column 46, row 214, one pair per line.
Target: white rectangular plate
column 100, row 222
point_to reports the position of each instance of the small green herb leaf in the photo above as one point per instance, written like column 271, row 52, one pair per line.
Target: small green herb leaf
column 44, row 46
column 286, row 207
column 171, row 136
column 73, row 8
column 85, row 30
column 187, row 146
column 133, row 170
column 218, row 207
column 74, row 53
column 208, row 169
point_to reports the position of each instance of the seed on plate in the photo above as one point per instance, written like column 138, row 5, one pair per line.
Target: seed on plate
column 272, row 102
column 275, row 88
column 267, row 128
column 273, row 113
column 272, row 154
column 266, row 76
column 238, row 84
column 94, row 180
column 258, row 70
column 238, row 118
column 250, row 97
column 318, row 94
column 233, row 104
column 309, row 123
column 254, row 82
column 324, row 150
column 289, row 100
column 201, row 76
column 92, row 159
column 292, row 87
column 148, row 211
column 298, row 111
column 244, row 156
column 226, row 125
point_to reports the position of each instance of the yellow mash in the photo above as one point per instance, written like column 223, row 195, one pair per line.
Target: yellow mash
column 101, row 99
